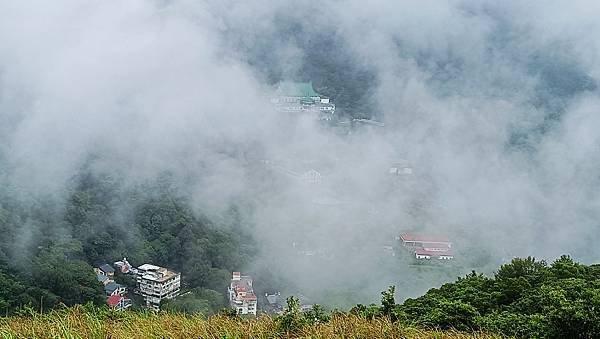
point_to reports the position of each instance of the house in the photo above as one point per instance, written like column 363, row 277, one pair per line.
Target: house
column 103, row 279
column 105, row 269
column 112, row 288
column 427, row 247
column 301, row 97
column 273, row 298
column 125, row 266
column 118, row 302
column 157, row 283
column 274, row 303
column 241, row 294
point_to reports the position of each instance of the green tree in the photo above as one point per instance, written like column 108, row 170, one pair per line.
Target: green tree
column 292, row 320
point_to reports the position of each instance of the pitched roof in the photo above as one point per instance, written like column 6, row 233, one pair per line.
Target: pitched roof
column 111, row 287
column 101, row 278
column 114, row 300
column 421, row 238
column 106, row 268
column 272, row 298
column 297, row 89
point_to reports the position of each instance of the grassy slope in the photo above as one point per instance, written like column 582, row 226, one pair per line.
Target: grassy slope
column 79, row 322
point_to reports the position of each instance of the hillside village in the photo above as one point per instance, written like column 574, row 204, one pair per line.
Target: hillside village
column 154, row 284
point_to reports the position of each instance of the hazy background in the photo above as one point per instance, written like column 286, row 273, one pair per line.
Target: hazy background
column 495, row 106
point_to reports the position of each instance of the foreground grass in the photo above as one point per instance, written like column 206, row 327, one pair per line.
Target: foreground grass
column 82, row 322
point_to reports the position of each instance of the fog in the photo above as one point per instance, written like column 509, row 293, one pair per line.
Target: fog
column 493, row 105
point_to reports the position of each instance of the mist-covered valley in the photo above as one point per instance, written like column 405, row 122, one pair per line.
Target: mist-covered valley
column 146, row 130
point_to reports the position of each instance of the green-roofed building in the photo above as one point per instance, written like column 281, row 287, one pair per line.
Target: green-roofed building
column 301, row 97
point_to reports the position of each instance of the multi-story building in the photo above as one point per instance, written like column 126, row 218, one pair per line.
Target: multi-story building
column 241, row 294
column 157, row 283
column 301, row 97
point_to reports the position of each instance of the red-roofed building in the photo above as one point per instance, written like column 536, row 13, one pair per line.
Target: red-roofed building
column 241, row 294
column 427, row 247
column 118, row 302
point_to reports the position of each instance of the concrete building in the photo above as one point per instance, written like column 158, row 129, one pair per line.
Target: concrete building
column 301, row 97
column 241, row 294
column 157, row 283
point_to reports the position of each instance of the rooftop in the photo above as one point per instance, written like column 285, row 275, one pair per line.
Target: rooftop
column 114, row 300
column 242, row 284
column 273, row 298
column 423, row 238
column 106, row 268
column 111, row 287
column 156, row 273
column 148, row 267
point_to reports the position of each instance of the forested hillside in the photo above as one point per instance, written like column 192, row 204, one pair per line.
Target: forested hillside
column 47, row 251
column 525, row 299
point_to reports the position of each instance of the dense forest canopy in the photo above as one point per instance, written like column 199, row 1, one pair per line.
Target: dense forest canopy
column 525, row 298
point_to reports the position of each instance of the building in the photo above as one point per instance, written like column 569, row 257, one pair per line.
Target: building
column 125, row 266
column 112, row 288
column 401, row 169
column 241, row 294
column 427, row 247
column 274, row 303
column 105, row 269
column 118, row 302
column 301, row 97
column 310, row 173
column 103, row 279
column 115, row 292
column 156, row 284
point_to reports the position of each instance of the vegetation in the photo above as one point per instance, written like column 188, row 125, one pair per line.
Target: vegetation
column 526, row 298
column 48, row 249
column 90, row 322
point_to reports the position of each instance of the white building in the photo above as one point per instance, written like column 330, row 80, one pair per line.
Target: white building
column 300, row 97
column 241, row 294
column 427, row 247
column 401, row 169
column 157, row 283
